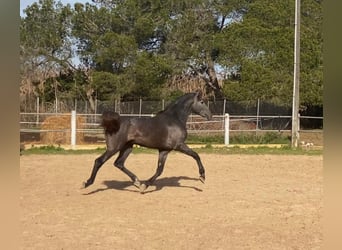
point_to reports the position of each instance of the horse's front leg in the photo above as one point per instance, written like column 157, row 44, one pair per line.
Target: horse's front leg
column 161, row 162
column 120, row 164
column 97, row 165
column 188, row 151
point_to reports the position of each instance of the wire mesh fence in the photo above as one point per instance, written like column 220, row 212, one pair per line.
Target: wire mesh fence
column 249, row 117
column 142, row 106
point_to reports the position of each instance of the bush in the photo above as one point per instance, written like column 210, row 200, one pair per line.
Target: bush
column 205, row 139
column 265, row 138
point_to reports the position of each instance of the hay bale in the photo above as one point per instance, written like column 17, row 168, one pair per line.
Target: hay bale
column 63, row 123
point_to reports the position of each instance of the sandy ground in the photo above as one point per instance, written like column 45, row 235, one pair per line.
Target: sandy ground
column 248, row 202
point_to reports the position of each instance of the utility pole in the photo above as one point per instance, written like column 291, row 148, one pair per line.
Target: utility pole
column 295, row 97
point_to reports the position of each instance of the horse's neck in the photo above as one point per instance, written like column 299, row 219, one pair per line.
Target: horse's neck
column 183, row 114
column 181, row 111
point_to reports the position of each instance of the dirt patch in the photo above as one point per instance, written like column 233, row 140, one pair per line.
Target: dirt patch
column 248, row 202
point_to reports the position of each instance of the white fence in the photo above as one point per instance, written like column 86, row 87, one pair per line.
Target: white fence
column 32, row 124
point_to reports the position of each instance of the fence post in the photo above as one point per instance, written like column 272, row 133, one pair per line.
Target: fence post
column 224, row 106
column 56, row 105
column 95, row 111
column 140, row 106
column 226, row 129
column 73, row 129
column 37, row 104
column 258, row 110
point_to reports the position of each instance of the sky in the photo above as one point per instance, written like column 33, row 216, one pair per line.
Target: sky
column 25, row 3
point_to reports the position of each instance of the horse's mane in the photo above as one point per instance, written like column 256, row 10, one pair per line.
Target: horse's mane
column 177, row 102
column 110, row 122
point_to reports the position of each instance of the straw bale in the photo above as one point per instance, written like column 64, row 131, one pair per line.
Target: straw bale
column 63, row 123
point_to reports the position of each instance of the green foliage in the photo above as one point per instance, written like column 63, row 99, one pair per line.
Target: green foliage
column 204, row 139
column 172, row 95
column 207, row 149
column 242, row 138
column 264, row 55
column 150, row 72
column 259, row 50
column 132, row 48
column 42, row 18
column 52, row 149
column 46, row 50
column 110, row 86
column 258, row 150
column 114, row 52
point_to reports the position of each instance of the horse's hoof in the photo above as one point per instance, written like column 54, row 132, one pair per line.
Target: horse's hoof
column 137, row 184
column 202, row 179
column 143, row 187
column 85, row 184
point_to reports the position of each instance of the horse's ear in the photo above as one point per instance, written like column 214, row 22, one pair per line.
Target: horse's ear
column 199, row 94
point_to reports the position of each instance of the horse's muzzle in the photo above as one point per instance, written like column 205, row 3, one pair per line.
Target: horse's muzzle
column 209, row 116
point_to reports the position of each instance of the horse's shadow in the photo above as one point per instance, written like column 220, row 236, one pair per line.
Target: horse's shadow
column 158, row 185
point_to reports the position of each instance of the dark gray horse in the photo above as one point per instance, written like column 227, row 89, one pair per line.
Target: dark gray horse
column 165, row 132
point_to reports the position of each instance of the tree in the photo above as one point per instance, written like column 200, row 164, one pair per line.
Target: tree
column 192, row 41
column 259, row 50
column 150, row 73
column 150, row 48
column 311, row 76
column 121, row 38
column 45, row 45
column 164, row 30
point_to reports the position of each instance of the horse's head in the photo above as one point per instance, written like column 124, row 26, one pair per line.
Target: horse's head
column 199, row 107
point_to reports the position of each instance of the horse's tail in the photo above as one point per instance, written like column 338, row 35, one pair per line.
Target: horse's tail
column 110, row 122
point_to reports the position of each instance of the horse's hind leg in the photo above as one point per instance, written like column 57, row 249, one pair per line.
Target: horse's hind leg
column 97, row 165
column 188, row 151
column 160, row 168
column 120, row 161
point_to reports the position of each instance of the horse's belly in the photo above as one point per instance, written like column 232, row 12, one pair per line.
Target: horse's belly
column 159, row 139
column 154, row 142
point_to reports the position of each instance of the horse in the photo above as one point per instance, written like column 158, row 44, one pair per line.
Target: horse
column 166, row 131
